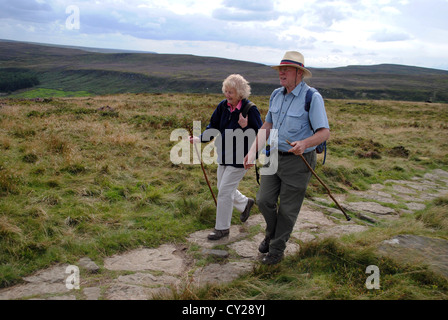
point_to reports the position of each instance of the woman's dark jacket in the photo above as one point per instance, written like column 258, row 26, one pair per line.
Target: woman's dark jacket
column 226, row 123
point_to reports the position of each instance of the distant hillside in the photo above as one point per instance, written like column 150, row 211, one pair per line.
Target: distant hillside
column 76, row 69
column 88, row 49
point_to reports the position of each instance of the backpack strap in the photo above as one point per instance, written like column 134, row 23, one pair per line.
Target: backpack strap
column 309, row 96
column 245, row 111
column 324, row 146
column 246, row 108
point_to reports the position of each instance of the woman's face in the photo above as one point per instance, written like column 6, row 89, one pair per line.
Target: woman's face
column 231, row 96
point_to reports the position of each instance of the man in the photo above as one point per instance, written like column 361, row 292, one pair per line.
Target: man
column 304, row 130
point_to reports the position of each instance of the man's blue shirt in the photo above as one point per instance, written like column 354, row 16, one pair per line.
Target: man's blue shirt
column 287, row 114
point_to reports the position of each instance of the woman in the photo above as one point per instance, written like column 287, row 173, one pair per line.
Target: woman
column 228, row 119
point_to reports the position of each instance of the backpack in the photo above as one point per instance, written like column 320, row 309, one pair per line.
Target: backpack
column 323, row 146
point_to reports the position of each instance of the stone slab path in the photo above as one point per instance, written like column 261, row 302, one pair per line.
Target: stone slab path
column 148, row 273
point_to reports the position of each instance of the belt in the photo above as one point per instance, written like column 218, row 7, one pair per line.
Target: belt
column 290, row 153
column 286, row 153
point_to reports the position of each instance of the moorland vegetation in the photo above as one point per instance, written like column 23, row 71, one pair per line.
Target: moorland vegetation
column 92, row 176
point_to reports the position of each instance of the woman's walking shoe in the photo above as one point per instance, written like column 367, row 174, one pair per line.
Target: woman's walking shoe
column 218, row 234
column 264, row 245
column 271, row 259
column 245, row 214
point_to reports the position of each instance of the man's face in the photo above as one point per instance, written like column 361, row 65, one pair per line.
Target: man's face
column 288, row 76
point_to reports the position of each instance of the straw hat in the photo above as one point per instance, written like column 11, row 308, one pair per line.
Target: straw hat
column 294, row 59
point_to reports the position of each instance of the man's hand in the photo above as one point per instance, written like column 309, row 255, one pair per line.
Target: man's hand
column 298, row 147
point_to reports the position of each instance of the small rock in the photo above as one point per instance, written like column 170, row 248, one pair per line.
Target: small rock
column 147, row 279
column 391, row 241
column 431, row 252
column 88, row 264
column 248, row 248
column 217, row 253
column 401, row 189
column 441, row 173
column 63, row 297
column 376, row 196
column 415, row 206
column 56, row 274
column 371, row 207
column 303, row 236
column 343, row 229
column 122, row 291
column 367, row 218
column 217, row 273
column 93, row 293
column 160, row 259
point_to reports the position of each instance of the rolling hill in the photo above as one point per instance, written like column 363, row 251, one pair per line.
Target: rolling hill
column 87, row 70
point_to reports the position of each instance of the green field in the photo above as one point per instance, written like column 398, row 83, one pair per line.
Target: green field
column 50, row 93
column 80, row 180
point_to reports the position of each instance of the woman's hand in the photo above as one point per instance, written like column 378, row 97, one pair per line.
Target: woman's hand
column 194, row 139
column 243, row 121
column 249, row 160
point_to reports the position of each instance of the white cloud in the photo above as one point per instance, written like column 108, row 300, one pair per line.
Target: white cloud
column 250, row 5
column 246, row 10
column 390, row 36
column 390, row 10
column 233, row 14
column 329, row 32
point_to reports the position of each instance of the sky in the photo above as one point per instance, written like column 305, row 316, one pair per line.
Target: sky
column 329, row 33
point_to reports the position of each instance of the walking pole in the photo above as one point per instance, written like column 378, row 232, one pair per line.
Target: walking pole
column 328, row 190
column 202, row 166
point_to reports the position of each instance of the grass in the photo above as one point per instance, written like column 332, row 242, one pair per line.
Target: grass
column 332, row 270
column 79, row 179
column 49, row 93
column 335, row 269
column 75, row 180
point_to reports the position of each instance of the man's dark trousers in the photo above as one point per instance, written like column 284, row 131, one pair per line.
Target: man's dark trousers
column 289, row 184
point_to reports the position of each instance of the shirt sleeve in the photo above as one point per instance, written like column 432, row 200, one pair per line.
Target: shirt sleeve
column 269, row 115
column 318, row 114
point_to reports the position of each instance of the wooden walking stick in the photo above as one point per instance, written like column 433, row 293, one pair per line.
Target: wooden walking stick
column 202, row 166
column 325, row 186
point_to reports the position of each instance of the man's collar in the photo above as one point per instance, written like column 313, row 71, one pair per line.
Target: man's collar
column 296, row 90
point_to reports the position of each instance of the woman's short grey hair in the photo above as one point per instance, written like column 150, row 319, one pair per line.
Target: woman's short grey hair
column 238, row 83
